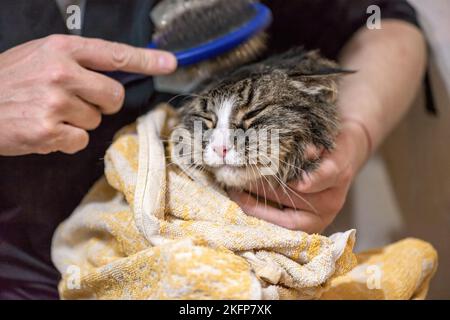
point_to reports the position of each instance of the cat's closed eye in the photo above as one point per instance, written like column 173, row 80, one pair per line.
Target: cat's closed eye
column 208, row 118
column 288, row 94
column 250, row 115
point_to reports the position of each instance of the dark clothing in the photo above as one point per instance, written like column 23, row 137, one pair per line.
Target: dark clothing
column 38, row 192
column 327, row 24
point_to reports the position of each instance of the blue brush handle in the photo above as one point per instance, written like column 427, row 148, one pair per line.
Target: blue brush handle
column 211, row 49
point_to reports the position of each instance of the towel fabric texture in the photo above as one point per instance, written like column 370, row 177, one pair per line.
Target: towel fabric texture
column 147, row 230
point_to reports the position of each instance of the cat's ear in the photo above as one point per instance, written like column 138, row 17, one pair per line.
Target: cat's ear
column 311, row 64
column 319, row 73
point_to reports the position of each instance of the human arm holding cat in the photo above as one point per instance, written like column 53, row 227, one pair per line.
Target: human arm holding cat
column 390, row 63
column 50, row 98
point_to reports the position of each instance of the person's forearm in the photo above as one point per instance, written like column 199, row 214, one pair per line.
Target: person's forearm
column 390, row 64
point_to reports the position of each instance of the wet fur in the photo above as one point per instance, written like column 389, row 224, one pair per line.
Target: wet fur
column 295, row 92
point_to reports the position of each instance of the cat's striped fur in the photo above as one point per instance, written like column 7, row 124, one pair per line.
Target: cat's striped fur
column 294, row 92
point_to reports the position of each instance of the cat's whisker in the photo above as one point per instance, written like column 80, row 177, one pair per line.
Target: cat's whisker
column 287, row 163
column 189, row 172
column 176, row 142
column 264, row 189
column 265, row 197
column 248, row 198
column 183, row 156
column 272, row 188
column 254, row 179
column 189, row 166
column 187, row 95
column 281, row 184
column 285, row 186
column 257, row 191
column 284, row 190
column 298, row 195
column 291, row 165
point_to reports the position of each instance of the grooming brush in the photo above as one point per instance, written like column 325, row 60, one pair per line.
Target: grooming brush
column 206, row 37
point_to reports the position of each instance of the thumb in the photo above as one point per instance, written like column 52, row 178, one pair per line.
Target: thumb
column 111, row 56
column 324, row 177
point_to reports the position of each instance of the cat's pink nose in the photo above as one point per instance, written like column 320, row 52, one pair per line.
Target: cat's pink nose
column 221, row 151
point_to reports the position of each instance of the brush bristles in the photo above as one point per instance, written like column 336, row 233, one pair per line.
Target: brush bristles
column 242, row 54
column 203, row 23
column 189, row 78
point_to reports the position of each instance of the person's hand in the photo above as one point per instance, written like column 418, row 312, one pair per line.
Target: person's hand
column 50, row 97
column 312, row 204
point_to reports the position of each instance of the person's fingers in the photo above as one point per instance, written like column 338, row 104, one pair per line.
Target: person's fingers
column 287, row 218
column 64, row 138
column 103, row 55
column 286, row 196
column 304, row 220
column 81, row 114
column 252, row 207
column 99, row 90
column 324, row 177
column 73, row 139
column 312, row 152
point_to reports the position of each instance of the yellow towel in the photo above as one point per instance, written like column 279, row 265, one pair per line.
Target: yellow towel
column 149, row 231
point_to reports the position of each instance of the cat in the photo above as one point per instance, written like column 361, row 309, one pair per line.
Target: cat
column 293, row 94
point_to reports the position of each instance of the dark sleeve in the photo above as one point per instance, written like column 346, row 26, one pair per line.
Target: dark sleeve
column 327, row 24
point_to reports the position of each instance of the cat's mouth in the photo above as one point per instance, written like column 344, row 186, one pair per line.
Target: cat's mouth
column 234, row 176
column 231, row 168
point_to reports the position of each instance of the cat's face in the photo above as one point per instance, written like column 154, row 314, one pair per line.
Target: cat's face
column 255, row 124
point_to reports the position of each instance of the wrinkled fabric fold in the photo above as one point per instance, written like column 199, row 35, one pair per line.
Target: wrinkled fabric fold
column 147, row 230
